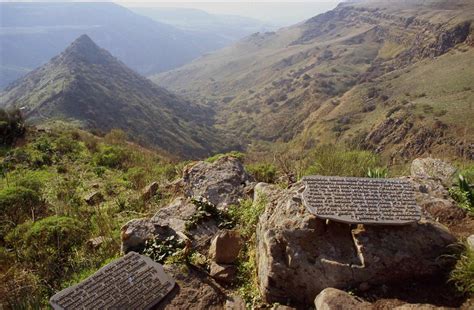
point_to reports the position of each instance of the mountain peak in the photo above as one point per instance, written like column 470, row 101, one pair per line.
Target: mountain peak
column 83, row 49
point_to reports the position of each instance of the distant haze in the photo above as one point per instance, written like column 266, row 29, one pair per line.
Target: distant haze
column 275, row 13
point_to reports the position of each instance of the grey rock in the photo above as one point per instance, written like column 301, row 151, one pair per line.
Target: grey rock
column 299, row 255
column 235, row 302
column 95, row 243
column 94, row 198
column 470, row 242
column 149, row 191
column 334, row 299
column 135, row 233
column 223, row 182
column 433, row 168
column 194, row 290
column 225, row 247
column 224, row 274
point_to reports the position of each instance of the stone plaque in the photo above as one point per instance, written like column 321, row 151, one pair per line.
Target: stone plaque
column 131, row 282
column 361, row 200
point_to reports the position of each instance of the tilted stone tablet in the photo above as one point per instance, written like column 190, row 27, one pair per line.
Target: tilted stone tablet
column 361, row 200
column 133, row 281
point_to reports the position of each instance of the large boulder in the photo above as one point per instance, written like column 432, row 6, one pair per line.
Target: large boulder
column 299, row 255
column 222, row 183
column 169, row 221
column 434, row 169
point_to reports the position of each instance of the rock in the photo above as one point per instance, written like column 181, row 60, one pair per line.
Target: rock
column 419, row 307
column 223, row 182
column 443, row 210
column 225, row 247
column 224, row 274
column 235, row 302
column 135, row 233
column 433, row 168
column 194, row 290
column 149, row 191
column 299, row 255
column 470, row 242
column 94, row 198
column 334, row 299
column 175, row 214
column 282, row 307
column 364, row 287
column 95, row 243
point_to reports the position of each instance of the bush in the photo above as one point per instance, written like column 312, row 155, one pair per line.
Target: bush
column 263, row 172
column 12, row 126
column 463, row 194
column 137, row 177
column 331, row 160
column 47, row 244
column 234, row 154
column 111, row 156
column 463, row 273
column 17, row 204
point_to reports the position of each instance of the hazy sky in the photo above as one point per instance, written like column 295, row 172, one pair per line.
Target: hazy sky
column 278, row 12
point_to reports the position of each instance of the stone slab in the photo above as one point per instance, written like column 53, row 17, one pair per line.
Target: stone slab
column 361, row 200
column 132, row 282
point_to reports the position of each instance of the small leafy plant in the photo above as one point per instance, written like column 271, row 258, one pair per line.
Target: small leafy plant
column 205, row 210
column 463, row 194
column 377, row 173
column 161, row 250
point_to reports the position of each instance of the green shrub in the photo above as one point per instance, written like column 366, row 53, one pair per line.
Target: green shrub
column 263, row 172
column 47, row 244
column 12, row 126
column 463, row 194
column 377, row 173
column 66, row 145
column 111, row 156
column 137, row 177
column 331, row 160
column 17, row 204
column 234, row 154
column 463, row 273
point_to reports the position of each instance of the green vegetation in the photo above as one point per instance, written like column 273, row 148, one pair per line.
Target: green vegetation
column 332, row 160
column 234, row 154
column 12, row 126
column 263, row 172
column 463, row 273
column 246, row 216
column 46, row 222
column 463, row 194
column 206, row 211
column 161, row 250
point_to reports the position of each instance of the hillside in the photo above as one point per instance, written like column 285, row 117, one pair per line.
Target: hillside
column 87, row 85
column 32, row 33
column 373, row 74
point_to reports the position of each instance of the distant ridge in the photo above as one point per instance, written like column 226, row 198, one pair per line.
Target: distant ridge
column 85, row 83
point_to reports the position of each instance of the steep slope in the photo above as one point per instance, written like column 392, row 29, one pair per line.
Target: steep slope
column 342, row 75
column 87, row 84
column 32, row 33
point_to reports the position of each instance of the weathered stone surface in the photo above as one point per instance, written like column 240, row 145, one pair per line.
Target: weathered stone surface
column 470, row 242
column 95, row 243
column 133, row 281
column 361, row 200
column 135, row 233
column 224, row 274
column 443, row 210
column 149, row 191
column 282, row 307
column 334, row 299
column 299, row 255
column 175, row 214
column 235, row 302
column 194, row 290
column 94, row 198
column 223, row 182
column 225, row 247
column 419, row 307
column 433, row 168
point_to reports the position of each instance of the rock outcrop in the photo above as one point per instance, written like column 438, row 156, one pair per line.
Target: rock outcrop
column 332, row 299
column 223, row 182
column 299, row 255
column 433, row 168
